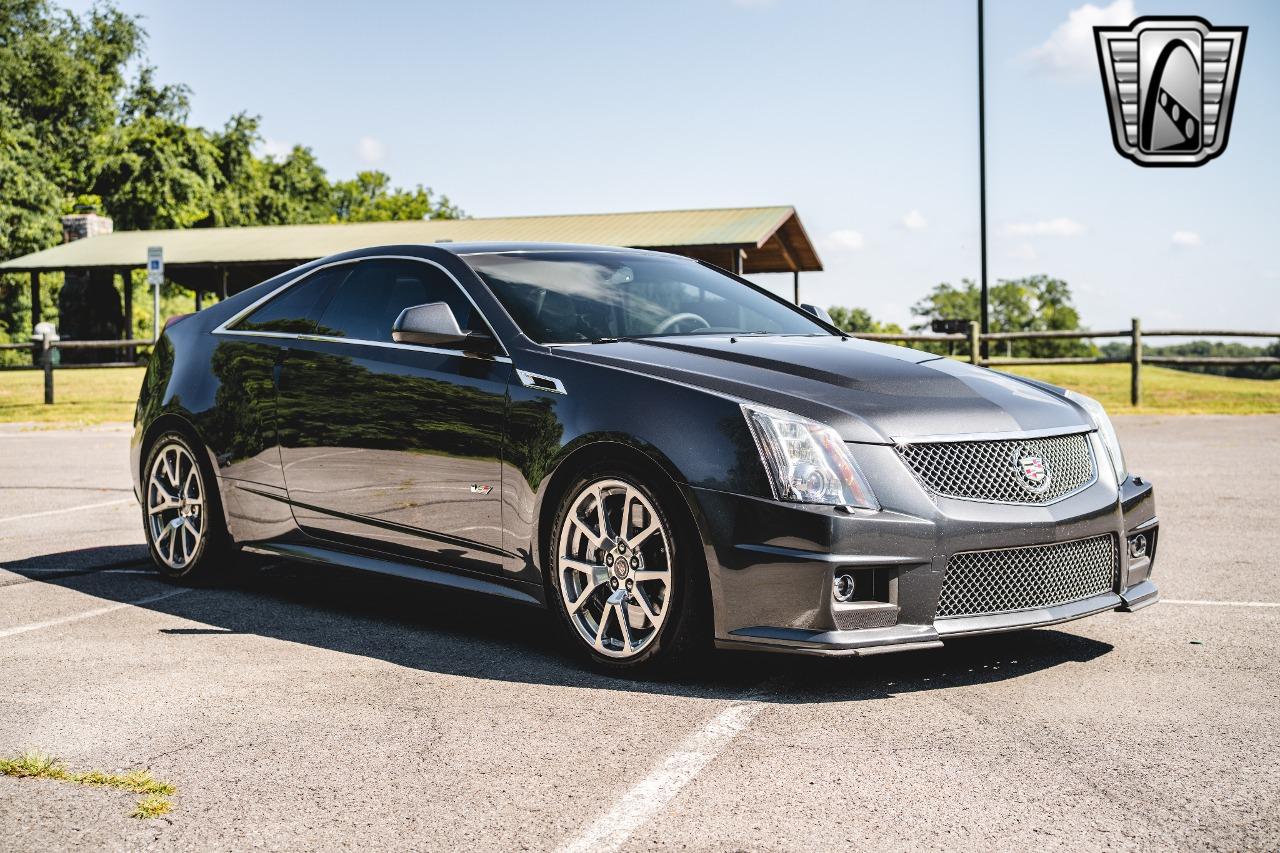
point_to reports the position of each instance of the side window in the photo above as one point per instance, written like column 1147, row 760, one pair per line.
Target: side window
column 294, row 310
column 369, row 300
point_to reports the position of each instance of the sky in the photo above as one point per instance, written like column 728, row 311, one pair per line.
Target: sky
column 862, row 115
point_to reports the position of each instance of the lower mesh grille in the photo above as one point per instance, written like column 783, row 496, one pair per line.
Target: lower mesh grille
column 985, row 582
column 857, row 618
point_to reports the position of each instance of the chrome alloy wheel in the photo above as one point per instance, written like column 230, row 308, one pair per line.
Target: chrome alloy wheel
column 613, row 568
column 175, row 506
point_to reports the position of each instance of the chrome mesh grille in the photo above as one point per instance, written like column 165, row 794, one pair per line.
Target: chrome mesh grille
column 991, row 470
column 984, row 582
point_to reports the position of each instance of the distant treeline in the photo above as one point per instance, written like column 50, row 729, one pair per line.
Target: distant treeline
column 1041, row 303
column 1118, row 349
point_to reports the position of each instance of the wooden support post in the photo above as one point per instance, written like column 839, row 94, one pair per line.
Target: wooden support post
column 975, row 355
column 46, row 361
column 197, row 299
column 795, row 284
column 1135, row 363
column 126, row 285
column 35, row 299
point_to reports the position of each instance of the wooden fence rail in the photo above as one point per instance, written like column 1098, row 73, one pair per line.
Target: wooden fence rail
column 1136, row 358
column 1135, row 333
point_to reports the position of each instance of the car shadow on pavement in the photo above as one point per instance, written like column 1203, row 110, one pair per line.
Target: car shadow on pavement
column 84, row 560
column 458, row 633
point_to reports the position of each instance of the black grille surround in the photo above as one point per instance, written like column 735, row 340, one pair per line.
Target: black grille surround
column 981, row 583
column 991, row 470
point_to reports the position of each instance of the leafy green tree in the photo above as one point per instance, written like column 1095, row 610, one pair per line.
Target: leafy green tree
column 240, row 185
column 27, row 193
column 298, row 190
column 156, row 171
column 1032, row 304
column 71, row 124
column 62, row 76
column 859, row 320
column 369, row 197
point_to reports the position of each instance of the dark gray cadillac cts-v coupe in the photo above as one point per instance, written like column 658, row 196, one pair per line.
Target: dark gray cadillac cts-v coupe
column 657, row 450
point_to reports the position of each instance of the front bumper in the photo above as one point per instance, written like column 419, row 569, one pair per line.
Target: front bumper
column 772, row 563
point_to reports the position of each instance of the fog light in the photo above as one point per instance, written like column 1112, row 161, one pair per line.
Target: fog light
column 844, row 587
column 1138, row 546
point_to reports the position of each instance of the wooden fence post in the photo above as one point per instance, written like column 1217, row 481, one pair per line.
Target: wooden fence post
column 975, row 355
column 46, row 361
column 1135, row 363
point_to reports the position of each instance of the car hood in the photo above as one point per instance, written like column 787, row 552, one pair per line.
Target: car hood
column 868, row 392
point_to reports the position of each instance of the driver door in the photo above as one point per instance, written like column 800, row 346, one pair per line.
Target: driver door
column 395, row 447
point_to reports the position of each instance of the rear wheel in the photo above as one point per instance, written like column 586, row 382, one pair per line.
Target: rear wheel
column 185, row 531
column 624, row 577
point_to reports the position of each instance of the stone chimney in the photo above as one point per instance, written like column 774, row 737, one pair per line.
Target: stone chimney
column 88, row 304
column 85, row 222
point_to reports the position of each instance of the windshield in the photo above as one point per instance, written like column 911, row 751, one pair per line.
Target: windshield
column 572, row 297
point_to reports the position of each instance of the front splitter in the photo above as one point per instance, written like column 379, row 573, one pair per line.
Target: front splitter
column 903, row 638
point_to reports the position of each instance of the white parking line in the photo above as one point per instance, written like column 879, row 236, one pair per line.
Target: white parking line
column 67, row 509
column 89, row 614
column 1204, row 602
column 612, row 829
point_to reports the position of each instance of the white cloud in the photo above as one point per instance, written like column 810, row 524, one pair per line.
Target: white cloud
column 275, row 148
column 846, row 238
column 1060, row 227
column 915, row 221
column 370, row 150
column 1186, row 238
column 1023, row 252
column 1070, row 49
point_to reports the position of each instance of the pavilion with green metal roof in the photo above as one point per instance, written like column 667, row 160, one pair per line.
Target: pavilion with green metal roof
column 745, row 240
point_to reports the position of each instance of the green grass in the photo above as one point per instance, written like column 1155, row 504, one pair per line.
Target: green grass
column 152, row 807
column 35, row 765
column 1164, row 390
column 107, row 395
column 85, row 397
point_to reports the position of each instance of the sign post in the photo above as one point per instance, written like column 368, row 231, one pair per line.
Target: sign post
column 155, row 276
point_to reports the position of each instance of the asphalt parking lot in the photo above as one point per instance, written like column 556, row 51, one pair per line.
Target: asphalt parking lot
column 299, row 709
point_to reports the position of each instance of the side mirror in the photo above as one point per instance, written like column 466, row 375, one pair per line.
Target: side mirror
column 820, row 313
column 434, row 325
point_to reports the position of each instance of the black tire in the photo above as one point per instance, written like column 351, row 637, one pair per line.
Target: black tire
column 205, row 556
column 682, row 634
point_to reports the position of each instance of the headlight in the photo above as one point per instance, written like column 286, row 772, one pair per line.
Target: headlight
column 1106, row 431
column 807, row 462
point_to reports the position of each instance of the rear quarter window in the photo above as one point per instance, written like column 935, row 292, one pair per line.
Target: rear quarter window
column 296, row 309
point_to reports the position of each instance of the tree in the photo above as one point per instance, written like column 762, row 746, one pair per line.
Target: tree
column 298, row 190
column 27, row 193
column 71, row 124
column 369, row 198
column 62, row 75
column 1031, row 304
column 858, row 320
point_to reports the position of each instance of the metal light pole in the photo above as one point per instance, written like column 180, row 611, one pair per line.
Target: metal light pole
column 985, row 321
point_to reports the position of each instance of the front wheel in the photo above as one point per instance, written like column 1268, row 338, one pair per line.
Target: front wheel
column 624, row 575
column 181, row 514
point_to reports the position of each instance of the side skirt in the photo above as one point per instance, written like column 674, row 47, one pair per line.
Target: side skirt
column 361, row 562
